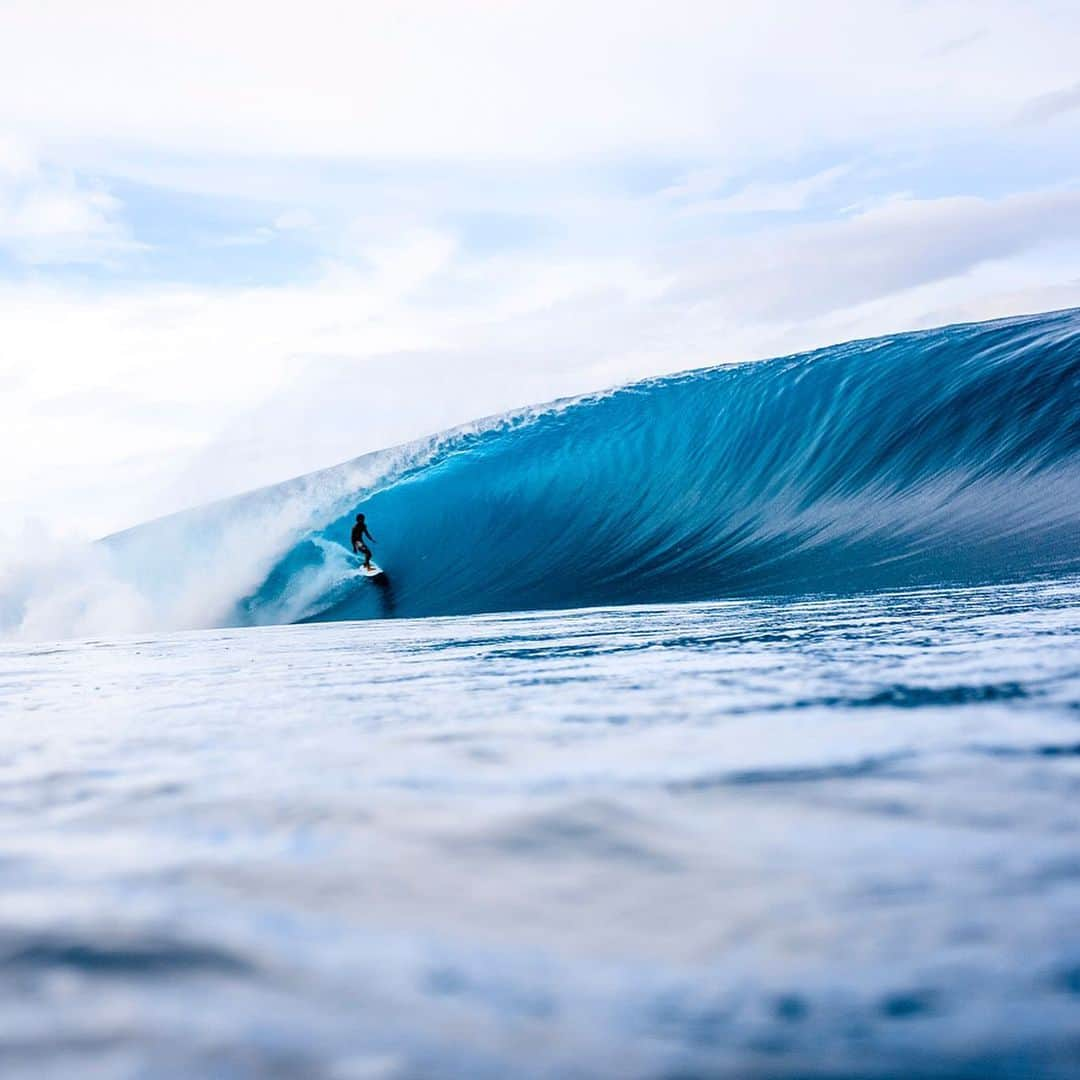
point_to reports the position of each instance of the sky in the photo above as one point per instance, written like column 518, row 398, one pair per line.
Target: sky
column 241, row 241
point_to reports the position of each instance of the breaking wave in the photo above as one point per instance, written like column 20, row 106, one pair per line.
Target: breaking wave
column 947, row 455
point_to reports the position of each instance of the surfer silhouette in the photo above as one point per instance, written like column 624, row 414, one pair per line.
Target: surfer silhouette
column 359, row 531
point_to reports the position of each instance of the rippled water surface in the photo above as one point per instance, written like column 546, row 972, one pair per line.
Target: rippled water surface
column 818, row 838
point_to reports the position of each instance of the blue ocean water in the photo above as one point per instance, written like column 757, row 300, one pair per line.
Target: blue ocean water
column 817, row 837
column 943, row 456
column 722, row 725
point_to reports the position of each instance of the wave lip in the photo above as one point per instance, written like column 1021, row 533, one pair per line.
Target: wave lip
column 949, row 455
column 941, row 456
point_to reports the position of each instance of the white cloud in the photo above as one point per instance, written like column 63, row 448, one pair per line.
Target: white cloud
column 47, row 217
column 955, row 44
column 1046, row 106
column 483, row 80
column 809, row 270
column 291, row 220
column 16, row 160
column 698, row 192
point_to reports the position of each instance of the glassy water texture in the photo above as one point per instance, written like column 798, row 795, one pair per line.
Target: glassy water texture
column 813, row 838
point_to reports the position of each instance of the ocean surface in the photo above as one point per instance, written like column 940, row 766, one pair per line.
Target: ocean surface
column 814, row 837
column 946, row 456
column 724, row 725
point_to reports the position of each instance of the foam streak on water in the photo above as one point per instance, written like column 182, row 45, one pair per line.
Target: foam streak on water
column 756, row 838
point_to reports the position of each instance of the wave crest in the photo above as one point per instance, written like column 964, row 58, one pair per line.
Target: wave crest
column 948, row 455
column 944, row 455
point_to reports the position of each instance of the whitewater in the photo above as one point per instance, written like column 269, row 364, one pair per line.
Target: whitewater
column 948, row 455
column 725, row 724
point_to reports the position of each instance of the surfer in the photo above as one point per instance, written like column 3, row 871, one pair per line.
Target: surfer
column 359, row 531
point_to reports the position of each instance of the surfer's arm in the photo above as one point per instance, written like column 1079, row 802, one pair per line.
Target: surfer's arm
column 369, row 536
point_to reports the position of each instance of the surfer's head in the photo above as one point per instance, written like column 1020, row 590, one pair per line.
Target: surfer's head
column 359, row 517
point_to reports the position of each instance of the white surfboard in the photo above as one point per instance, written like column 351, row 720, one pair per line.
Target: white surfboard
column 375, row 571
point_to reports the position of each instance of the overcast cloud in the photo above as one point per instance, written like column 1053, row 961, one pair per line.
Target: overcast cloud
column 238, row 243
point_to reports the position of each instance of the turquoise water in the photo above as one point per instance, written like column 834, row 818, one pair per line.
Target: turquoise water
column 762, row 837
column 722, row 725
column 947, row 456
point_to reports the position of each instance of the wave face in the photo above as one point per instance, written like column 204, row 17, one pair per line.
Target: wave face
column 948, row 455
column 945, row 455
